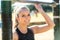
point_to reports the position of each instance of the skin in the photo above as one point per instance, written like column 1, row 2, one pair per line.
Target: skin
column 24, row 20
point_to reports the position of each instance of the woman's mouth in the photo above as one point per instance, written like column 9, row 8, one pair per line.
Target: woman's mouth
column 26, row 21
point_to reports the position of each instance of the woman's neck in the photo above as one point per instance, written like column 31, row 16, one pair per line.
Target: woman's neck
column 22, row 28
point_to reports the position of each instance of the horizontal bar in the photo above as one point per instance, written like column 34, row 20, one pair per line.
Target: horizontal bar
column 56, row 16
column 36, row 2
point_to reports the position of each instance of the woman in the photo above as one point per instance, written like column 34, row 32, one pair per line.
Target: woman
column 23, row 19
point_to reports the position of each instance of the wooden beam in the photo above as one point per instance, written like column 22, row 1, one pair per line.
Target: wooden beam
column 6, row 20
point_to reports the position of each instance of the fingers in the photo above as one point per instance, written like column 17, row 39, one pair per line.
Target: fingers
column 38, row 7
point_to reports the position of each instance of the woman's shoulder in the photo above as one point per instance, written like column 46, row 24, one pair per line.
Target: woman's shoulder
column 15, row 36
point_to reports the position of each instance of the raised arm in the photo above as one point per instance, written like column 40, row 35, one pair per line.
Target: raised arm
column 48, row 21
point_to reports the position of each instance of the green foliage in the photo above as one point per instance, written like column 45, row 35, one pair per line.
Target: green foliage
column 31, row 7
column 47, row 8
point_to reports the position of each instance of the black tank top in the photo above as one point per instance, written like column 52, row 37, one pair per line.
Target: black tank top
column 28, row 36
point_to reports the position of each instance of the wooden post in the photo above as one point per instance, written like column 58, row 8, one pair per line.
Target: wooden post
column 6, row 20
column 57, row 22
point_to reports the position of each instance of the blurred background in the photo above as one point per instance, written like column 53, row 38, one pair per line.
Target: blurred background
column 52, row 10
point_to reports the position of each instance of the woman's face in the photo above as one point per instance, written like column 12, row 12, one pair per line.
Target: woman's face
column 24, row 17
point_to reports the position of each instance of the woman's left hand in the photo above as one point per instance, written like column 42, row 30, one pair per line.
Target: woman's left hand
column 38, row 7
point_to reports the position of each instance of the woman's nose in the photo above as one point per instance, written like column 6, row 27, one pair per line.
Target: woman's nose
column 26, row 17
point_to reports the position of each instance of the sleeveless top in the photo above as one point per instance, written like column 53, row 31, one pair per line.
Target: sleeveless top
column 28, row 36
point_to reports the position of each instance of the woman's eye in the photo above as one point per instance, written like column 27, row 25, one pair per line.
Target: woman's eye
column 28, row 14
column 23, row 15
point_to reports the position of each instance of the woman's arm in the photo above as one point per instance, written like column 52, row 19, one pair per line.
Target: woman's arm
column 48, row 21
column 15, row 36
